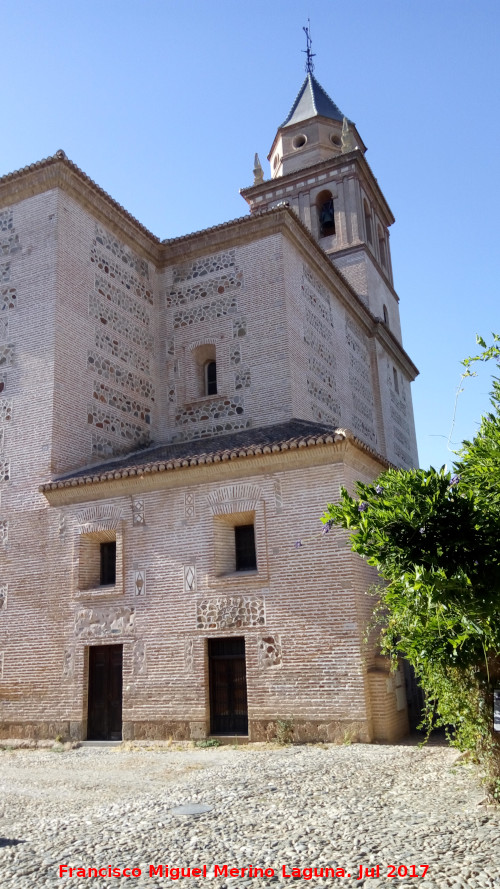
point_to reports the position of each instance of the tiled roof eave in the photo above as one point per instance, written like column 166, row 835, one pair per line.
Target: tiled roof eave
column 335, row 437
column 60, row 161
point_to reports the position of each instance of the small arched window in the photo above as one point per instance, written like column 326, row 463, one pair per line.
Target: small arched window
column 326, row 214
column 201, row 371
column 381, row 247
column 386, row 315
column 368, row 222
column 211, row 378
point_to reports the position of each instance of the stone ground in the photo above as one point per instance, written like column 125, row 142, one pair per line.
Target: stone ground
column 311, row 806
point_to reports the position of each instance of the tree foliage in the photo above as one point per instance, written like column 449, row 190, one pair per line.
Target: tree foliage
column 434, row 538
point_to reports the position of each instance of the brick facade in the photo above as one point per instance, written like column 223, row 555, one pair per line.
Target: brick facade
column 108, row 435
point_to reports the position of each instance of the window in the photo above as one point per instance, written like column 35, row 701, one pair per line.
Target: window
column 244, row 547
column 326, row 214
column 386, row 315
column 396, row 381
column 201, row 372
column 211, row 378
column 235, row 543
column 368, row 222
column 108, row 563
column 100, row 562
column 381, row 247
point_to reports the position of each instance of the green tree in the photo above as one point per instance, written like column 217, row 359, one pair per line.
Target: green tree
column 433, row 536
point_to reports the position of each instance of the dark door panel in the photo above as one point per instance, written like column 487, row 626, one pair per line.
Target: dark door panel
column 228, row 687
column 105, row 693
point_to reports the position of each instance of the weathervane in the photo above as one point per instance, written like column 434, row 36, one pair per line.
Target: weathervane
column 310, row 55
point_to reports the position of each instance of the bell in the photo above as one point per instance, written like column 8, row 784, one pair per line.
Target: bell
column 327, row 216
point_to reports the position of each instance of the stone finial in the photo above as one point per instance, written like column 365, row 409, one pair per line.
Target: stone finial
column 348, row 141
column 258, row 172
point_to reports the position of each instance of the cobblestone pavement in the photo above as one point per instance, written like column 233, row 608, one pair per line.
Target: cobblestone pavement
column 346, row 807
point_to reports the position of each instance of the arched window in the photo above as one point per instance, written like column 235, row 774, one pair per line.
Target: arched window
column 368, row 222
column 381, row 247
column 386, row 315
column 211, row 378
column 396, row 381
column 326, row 214
column 201, row 371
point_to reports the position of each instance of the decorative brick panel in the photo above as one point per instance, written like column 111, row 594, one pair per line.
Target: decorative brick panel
column 98, row 518
column 234, row 498
column 120, row 275
column 269, row 648
column 138, row 511
column 228, row 613
column 97, row 623
column 139, row 659
column 139, row 583
column 68, row 669
column 189, row 578
column 206, row 265
column 214, row 287
column 190, row 504
column 127, row 256
column 104, row 314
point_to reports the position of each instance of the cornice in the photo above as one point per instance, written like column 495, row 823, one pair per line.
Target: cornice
column 395, row 349
column 59, row 172
column 310, row 451
column 219, row 237
column 356, row 156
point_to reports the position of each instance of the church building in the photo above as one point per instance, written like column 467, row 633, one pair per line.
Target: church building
column 174, row 417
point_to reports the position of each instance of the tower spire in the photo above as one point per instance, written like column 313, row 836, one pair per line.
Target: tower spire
column 309, row 55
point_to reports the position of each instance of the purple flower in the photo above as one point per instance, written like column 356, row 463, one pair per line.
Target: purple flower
column 328, row 526
column 379, row 489
column 454, row 480
column 422, row 530
column 298, row 544
column 362, row 507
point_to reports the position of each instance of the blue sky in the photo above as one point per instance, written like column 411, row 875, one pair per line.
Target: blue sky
column 165, row 103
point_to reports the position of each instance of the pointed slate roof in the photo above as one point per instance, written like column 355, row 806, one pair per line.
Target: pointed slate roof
column 311, row 102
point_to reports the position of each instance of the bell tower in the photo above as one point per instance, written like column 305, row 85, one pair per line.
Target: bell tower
column 319, row 169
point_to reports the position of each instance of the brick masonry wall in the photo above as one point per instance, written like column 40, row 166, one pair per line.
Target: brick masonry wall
column 332, row 367
column 95, row 352
column 105, row 386
column 28, row 281
column 233, row 300
column 302, row 614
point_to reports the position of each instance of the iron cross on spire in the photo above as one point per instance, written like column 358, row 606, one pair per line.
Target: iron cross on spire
column 309, row 55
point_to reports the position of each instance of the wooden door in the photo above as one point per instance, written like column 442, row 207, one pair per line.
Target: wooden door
column 105, row 693
column 228, row 687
